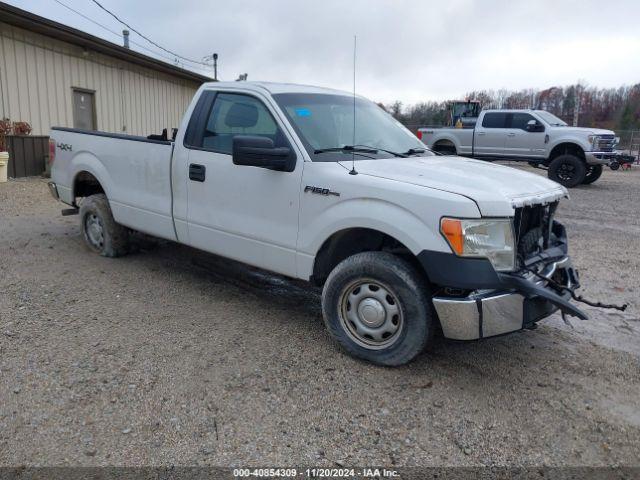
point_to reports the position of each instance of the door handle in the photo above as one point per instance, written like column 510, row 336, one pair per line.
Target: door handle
column 197, row 172
column 480, row 133
column 511, row 134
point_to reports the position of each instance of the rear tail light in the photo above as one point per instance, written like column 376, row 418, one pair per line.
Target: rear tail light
column 419, row 134
column 52, row 151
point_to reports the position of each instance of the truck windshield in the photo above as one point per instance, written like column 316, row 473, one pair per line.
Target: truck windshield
column 551, row 119
column 324, row 123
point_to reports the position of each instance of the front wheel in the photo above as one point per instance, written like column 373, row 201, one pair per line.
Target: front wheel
column 593, row 173
column 568, row 170
column 377, row 306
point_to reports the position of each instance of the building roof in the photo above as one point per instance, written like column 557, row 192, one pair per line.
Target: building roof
column 35, row 23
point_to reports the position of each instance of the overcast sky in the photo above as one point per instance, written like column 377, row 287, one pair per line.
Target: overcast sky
column 407, row 50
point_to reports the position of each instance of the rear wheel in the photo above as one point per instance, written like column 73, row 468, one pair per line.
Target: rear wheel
column 101, row 232
column 378, row 307
column 593, row 173
column 568, row 170
column 445, row 149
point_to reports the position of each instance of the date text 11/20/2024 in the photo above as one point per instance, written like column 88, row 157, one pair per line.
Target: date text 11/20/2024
column 365, row 473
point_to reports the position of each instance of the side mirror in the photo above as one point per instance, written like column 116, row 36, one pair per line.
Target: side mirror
column 534, row 126
column 260, row 152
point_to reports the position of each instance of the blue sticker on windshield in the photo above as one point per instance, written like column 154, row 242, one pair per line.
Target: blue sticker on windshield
column 303, row 112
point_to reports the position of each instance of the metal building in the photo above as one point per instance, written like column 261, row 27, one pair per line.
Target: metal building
column 52, row 74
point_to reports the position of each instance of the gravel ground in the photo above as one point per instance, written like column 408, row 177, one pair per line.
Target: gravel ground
column 170, row 356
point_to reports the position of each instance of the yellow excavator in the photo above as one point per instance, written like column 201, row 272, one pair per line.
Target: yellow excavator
column 463, row 113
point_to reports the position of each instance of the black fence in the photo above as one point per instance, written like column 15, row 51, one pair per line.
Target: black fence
column 28, row 155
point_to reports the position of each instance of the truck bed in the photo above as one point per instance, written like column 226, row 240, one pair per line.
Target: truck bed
column 135, row 173
column 461, row 138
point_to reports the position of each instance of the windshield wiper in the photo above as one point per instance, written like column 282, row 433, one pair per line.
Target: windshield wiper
column 346, row 148
column 390, row 152
column 413, row 151
column 368, row 149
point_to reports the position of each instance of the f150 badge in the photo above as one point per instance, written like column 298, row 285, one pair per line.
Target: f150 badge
column 65, row 147
column 320, row 191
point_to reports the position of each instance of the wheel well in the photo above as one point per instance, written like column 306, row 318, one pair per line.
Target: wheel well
column 566, row 148
column 444, row 143
column 346, row 243
column 85, row 184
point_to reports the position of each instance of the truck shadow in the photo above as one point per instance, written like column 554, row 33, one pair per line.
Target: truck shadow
column 495, row 357
column 271, row 287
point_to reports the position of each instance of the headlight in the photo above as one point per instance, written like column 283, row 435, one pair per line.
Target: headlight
column 488, row 238
column 593, row 140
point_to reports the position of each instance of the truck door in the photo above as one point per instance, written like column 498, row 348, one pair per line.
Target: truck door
column 491, row 135
column 523, row 141
column 246, row 213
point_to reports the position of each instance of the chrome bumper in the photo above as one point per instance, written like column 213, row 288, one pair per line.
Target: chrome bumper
column 600, row 158
column 489, row 313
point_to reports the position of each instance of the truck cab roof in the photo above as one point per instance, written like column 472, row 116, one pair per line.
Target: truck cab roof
column 511, row 110
column 275, row 88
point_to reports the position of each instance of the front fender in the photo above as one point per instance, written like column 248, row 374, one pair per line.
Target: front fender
column 382, row 216
column 571, row 139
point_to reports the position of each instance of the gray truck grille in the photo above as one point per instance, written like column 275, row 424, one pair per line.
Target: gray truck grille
column 606, row 143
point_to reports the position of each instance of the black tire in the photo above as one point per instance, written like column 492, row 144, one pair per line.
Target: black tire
column 100, row 231
column 411, row 297
column 614, row 165
column 568, row 170
column 593, row 173
column 445, row 149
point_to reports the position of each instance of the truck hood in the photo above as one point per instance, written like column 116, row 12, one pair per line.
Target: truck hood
column 585, row 130
column 496, row 189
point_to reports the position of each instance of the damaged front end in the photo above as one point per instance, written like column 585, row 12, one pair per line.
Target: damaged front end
column 544, row 267
column 475, row 301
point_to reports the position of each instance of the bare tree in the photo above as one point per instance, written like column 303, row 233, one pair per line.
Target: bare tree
column 577, row 104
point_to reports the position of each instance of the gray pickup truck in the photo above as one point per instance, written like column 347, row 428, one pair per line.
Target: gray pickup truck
column 572, row 155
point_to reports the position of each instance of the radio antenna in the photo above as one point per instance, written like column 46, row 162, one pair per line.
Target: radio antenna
column 353, row 152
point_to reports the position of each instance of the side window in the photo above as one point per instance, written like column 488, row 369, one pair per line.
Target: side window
column 235, row 114
column 520, row 120
column 495, row 120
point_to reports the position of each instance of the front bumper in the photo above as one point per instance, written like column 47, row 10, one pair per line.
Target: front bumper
column 603, row 158
column 523, row 302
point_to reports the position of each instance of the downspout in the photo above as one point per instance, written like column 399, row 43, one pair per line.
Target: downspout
column 2, row 97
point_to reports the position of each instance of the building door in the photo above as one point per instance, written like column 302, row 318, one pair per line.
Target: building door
column 84, row 113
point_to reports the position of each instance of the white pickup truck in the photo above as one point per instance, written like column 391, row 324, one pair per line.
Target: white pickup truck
column 572, row 155
column 405, row 243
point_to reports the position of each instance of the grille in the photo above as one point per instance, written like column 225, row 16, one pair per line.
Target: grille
column 532, row 229
column 606, row 143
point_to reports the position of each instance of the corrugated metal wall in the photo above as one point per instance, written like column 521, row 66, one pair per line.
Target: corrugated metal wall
column 38, row 73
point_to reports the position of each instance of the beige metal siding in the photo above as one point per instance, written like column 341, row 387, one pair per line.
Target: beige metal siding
column 38, row 73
